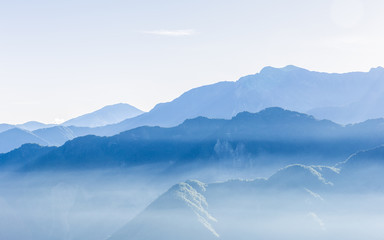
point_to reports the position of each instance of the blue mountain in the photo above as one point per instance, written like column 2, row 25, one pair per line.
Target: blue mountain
column 34, row 125
column 272, row 136
column 56, row 135
column 110, row 114
column 343, row 98
column 4, row 127
column 29, row 126
column 195, row 210
column 296, row 202
column 290, row 87
column 15, row 137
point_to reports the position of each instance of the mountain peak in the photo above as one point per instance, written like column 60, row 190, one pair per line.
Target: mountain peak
column 378, row 69
column 109, row 114
column 298, row 175
column 288, row 68
column 292, row 68
column 271, row 113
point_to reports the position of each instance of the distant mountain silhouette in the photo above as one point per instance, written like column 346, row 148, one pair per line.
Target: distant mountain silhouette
column 56, row 135
column 195, row 210
column 107, row 115
column 33, row 125
column 292, row 202
column 15, row 137
column 363, row 170
column 4, row 127
column 29, row 126
column 246, row 140
column 344, row 98
column 52, row 136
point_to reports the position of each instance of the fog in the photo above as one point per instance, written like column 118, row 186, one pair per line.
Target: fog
column 73, row 205
column 272, row 201
column 233, row 210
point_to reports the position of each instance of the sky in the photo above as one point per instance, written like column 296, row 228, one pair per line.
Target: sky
column 61, row 59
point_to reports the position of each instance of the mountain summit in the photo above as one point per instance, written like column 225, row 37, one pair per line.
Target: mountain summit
column 107, row 115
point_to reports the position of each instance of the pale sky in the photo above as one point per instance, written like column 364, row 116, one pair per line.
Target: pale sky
column 60, row 59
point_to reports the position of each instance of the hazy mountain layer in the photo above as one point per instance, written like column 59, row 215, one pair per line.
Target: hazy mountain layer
column 29, row 126
column 92, row 186
column 344, row 98
column 297, row 202
column 4, row 127
column 15, row 137
column 272, row 136
column 56, row 135
column 107, row 115
column 52, row 136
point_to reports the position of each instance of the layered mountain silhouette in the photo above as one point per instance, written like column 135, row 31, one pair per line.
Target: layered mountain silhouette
column 343, row 98
column 53, row 136
column 15, row 137
column 195, row 210
column 56, row 135
column 248, row 139
column 29, row 126
column 297, row 202
column 4, row 127
column 34, row 125
column 328, row 182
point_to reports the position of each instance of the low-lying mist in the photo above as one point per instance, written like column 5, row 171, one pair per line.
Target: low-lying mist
column 73, row 205
column 271, row 202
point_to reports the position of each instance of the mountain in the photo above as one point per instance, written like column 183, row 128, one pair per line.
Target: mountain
column 4, row 127
column 16, row 137
column 29, row 126
column 273, row 136
column 57, row 135
column 296, row 202
column 16, row 158
column 290, row 87
column 52, row 136
column 364, row 170
column 33, row 125
column 174, row 215
column 107, row 115
column 195, row 210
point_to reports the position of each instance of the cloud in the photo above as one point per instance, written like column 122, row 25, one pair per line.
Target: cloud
column 172, row 33
column 317, row 220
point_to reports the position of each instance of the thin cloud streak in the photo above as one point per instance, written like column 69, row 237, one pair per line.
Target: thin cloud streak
column 172, row 33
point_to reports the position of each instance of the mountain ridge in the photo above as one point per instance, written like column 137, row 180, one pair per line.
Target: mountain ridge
column 291, row 88
column 246, row 136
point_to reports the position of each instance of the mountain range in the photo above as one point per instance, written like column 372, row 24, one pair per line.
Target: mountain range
column 310, row 143
column 246, row 140
column 296, row 202
column 13, row 136
column 343, row 98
